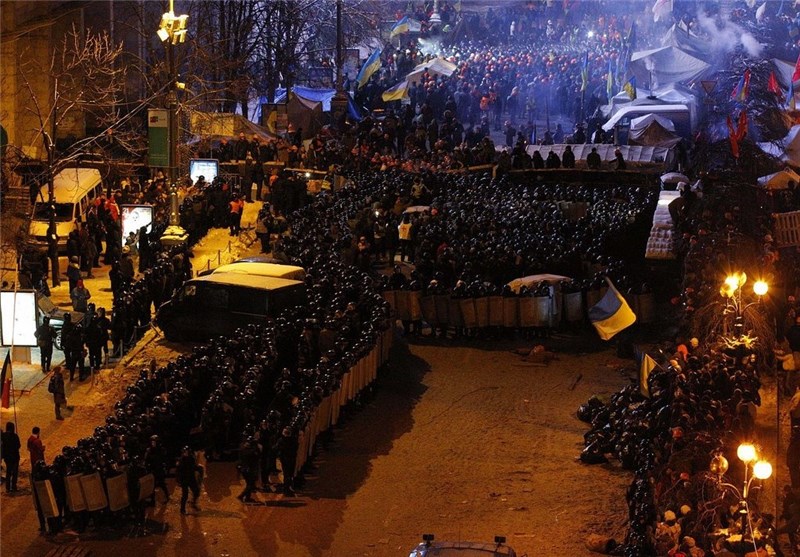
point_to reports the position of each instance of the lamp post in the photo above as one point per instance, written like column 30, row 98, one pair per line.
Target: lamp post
column 735, row 307
column 754, row 469
column 172, row 31
column 340, row 98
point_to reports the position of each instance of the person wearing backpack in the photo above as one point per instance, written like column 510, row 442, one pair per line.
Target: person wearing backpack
column 56, row 388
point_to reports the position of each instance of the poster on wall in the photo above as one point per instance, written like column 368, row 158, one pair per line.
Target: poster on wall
column 18, row 317
column 134, row 217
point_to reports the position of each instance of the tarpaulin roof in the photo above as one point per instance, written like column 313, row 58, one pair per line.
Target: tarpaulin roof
column 216, row 125
column 667, row 64
column 642, row 122
column 313, row 95
column 663, row 109
column 788, row 149
column 654, row 131
column 438, row 66
column 678, row 35
column 779, row 180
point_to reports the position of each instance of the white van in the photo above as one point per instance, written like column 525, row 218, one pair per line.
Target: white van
column 74, row 190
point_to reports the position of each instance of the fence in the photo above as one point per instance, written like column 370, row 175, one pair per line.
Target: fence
column 787, row 229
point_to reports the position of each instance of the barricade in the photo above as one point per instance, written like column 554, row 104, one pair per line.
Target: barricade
column 528, row 312
column 544, row 315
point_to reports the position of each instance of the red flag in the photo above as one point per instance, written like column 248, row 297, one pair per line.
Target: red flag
column 5, row 381
column 737, row 134
column 734, row 140
column 796, row 74
column 773, row 86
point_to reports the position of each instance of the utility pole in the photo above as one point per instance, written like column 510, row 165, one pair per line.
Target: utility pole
column 171, row 32
column 339, row 101
column 52, row 236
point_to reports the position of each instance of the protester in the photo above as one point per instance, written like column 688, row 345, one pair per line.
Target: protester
column 56, row 388
column 9, row 446
column 35, row 447
column 45, row 337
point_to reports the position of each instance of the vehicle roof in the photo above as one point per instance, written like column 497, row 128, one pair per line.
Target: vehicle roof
column 260, row 269
column 464, row 549
column 71, row 184
column 247, row 281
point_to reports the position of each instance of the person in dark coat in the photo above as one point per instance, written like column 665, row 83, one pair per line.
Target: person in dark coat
column 593, row 160
column 621, row 164
column 568, row 158
column 72, row 343
column 45, row 336
column 156, row 462
column 553, row 161
column 56, row 388
column 537, row 160
column 287, row 447
column 187, row 478
column 9, row 446
column 248, row 467
column 74, row 272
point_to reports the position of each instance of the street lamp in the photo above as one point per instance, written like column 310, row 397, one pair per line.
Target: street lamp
column 731, row 290
column 761, row 470
column 172, row 31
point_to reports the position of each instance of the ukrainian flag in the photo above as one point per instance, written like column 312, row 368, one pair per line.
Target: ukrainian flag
column 647, row 366
column 611, row 314
column 630, row 88
column 400, row 27
column 371, row 66
column 396, row 93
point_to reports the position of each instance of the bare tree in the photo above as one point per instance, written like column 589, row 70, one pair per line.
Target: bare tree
column 87, row 92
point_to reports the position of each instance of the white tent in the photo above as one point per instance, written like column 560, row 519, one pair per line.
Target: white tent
column 779, row 180
column 666, row 65
column 665, row 110
column 678, row 35
column 670, row 94
column 643, row 121
column 438, row 66
column 788, row 149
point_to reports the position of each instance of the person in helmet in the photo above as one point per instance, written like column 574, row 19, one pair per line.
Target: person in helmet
column 187, row 478
column 248, row 467
column 156, row 463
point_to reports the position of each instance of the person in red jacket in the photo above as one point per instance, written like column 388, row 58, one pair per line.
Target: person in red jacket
column 35, row 447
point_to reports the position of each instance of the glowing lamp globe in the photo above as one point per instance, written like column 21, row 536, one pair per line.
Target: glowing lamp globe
column 760, row 288
column 746, row 452
column 718, row 465
column 762, row 469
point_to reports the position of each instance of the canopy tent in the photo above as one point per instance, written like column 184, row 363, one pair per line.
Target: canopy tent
column 305, row 106
column 788, row 149
column 643, row 121
column 674, row 178
column 533, row 280
column 681, row 37
column 653, row 130
column 666, row 65
column 779, row 180
column 437, row 66
column 670, row 94
column 665, row 110
column 217, row 125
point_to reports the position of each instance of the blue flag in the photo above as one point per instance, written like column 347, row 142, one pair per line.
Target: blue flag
column 371, row 66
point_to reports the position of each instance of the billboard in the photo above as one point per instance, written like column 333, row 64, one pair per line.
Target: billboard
column 135, row 217
column 18, row 317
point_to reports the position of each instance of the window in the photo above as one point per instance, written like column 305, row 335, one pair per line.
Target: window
column 244, row 300
column 214, row 297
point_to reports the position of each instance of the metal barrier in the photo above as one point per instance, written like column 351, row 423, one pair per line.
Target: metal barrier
column 787, row 229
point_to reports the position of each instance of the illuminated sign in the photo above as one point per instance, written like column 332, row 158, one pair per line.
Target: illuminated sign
column 18, row 318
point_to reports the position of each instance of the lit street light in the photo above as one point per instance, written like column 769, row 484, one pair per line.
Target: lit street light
column 172, row 31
